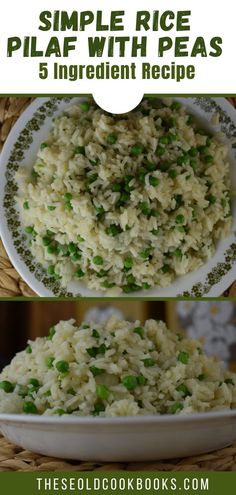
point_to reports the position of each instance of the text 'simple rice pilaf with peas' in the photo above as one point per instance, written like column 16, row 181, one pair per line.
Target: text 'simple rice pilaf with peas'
column 116, row 368
column 126, row 202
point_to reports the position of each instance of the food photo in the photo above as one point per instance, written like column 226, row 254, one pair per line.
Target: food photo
column 140, row 204
column 104, row 386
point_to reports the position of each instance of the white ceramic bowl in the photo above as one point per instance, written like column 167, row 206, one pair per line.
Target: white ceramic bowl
column 21, row 148
column 139, row 438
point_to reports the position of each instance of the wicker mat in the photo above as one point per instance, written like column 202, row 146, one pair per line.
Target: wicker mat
column 13, row 458
column 11, row 285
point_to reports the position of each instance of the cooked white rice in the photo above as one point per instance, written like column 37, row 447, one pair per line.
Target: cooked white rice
column 116, row 368
column 126, row 202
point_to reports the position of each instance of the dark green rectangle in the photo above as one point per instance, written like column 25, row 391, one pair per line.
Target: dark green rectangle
column 118, row 483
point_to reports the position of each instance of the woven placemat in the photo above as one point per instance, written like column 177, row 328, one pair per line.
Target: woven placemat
column 13, row 458
column 11, row 284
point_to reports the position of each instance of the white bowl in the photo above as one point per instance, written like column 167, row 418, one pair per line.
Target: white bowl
column 139, row 438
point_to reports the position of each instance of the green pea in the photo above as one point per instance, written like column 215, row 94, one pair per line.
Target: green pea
column 34, row 383
column 99, row 211
column 178, row 253
column 96, row 371
column 141, row 380
column 51, row 270
column 79, row 150
column 208, row 158
column 179, row 219
column 29, row 229
column 148, row 362
column 62, row 366
column 51, row 334
column 144, row 207
column 163, row 140
column 85, row 106
column 202, row 148
column 137, row 149
column 95, row 333
column 7, row 386
column 183, row 357
column 43, row 146
column 177, row 406
column 76, row 257
column 190, row 120
column 165, row 268
column 28, row 349
column 94, row 162
column 51, row 207
column 176, row 105
column 131, row 288
column 97, row 260
column 182, row 159
column 52, row 249
column 153, row 181
column 107, row 284
column 116, row 187
column 46, row 241
column 111, row 138
column 34, row 174
column 145, row 253
column 146, row 286
column 139, row 331
column 113, row 230
column 67, row 196
column 172, row 172
column 26, row 205
column 79, row 273
column 160, row 150
column 201, row 377
column 102, row 273
column 102, row 392
column 229, row 381
column 130, row 382
column 99, row 407
column 212, row 199
column 59, row 412
column 172, row 137
column 128, row 263
column 49, row 361
column 68, row 206
column 80, row 239
column 22, row 390
column 184, row 390
column 193, row 151
column 155, row 232
column 29, row 407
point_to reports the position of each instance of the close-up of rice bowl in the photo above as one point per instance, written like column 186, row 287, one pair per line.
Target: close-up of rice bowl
column 116, row 368
column 126, row 203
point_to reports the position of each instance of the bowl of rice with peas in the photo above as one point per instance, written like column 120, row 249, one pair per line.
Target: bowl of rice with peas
column 117, row 368
column 125, row 203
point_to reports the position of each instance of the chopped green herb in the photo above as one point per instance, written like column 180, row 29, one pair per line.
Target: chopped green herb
column 99, row 407
column 59, row 412
column 28, row 349
column 201, row 377
column 153, row 181
column 113, row 230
